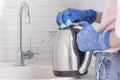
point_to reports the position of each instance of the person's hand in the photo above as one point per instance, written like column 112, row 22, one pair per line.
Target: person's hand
column 88, row 39
column 69, row 16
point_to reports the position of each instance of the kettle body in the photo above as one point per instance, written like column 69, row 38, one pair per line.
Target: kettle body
column 67, row 60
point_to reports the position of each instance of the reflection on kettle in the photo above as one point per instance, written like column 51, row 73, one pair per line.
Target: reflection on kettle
column 68, row 61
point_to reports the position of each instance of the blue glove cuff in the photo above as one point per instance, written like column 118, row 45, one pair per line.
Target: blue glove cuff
column 62, row 26
column 106, row 37
column 105, row 44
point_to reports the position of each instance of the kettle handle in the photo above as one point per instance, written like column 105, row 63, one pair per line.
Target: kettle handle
column 88, row 55
column 84, row 67
column 76, row 26
column 73, row 26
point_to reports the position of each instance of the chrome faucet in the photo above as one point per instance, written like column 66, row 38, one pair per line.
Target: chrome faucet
column 20, row 55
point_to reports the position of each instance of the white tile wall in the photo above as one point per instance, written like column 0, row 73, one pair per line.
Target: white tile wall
column 41, row 30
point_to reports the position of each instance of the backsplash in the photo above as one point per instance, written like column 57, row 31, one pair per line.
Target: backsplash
column 41, row 30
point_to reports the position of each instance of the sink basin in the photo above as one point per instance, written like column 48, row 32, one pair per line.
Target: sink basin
column 10, row 71
column 32, row 72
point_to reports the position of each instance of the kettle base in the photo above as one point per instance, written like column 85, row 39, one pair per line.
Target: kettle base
column 67, row 73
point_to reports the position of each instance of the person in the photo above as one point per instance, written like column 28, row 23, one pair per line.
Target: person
column 105, row 42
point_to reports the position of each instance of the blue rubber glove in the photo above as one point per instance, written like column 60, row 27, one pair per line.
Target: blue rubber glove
column 69, row 16
column 88, row 39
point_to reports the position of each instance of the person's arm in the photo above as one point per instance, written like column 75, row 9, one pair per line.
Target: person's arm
column 98, row 17
column 113, row 40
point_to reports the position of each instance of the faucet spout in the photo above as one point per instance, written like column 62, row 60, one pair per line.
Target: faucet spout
column 25, row 7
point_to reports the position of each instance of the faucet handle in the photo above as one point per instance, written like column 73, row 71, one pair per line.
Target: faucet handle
column 28, row 54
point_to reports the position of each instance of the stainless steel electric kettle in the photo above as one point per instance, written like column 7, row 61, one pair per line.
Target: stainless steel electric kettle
column 67, row 60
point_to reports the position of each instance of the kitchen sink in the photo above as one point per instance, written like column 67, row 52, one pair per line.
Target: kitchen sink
column 31, row 72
